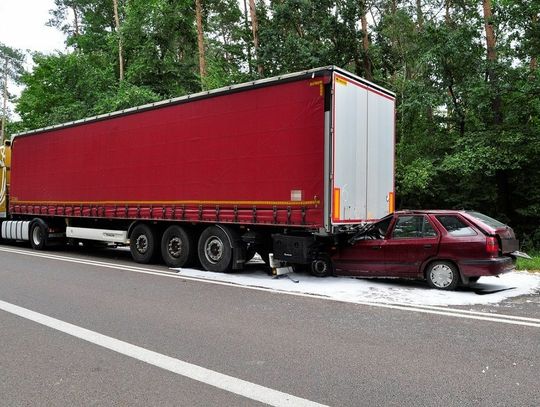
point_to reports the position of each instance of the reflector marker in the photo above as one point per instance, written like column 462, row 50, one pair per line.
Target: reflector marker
column 337, row 204
column 391, row 202
column 320, row 84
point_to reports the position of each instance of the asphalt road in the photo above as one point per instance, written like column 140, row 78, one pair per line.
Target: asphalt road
column 314, row 349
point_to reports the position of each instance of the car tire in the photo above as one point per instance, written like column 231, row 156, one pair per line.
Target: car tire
column 442, row 275
column 214, row 249
column 177, row 246
column 142, row 243
column 38, row 235
column 322, row 266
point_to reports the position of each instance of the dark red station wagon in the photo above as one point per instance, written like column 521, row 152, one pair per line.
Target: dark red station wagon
column 444, row 247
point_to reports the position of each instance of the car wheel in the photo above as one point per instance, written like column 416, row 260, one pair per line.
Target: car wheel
column 215, row 252
column 38, row 235
column 176, row 246
column 142, row 243
column 322, row 266
column 442, row 275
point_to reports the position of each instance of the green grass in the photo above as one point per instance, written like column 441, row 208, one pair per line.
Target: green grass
column 530, row 265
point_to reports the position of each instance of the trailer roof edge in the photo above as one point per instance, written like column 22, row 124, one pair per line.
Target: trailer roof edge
column 223, row 90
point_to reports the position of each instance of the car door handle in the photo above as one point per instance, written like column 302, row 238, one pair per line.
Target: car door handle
column 376, row 247
column 428, row 246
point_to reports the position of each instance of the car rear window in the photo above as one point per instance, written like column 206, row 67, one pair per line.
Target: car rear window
column 455, row 226
column 494, row 223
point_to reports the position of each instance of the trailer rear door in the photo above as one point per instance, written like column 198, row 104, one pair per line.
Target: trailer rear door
column 363, row 152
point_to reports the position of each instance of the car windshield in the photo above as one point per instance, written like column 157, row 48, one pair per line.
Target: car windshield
column 371, row 231
column 494, row 223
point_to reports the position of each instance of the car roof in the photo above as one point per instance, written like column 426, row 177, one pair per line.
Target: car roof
column 430, row 211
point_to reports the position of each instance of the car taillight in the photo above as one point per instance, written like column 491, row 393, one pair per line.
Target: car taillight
column 492, row 246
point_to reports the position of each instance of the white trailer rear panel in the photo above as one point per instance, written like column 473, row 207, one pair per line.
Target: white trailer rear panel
column 363, row 138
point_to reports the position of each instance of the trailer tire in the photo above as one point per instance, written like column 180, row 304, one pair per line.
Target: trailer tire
column 177, row 246
column 142, row 243
column 215, row 251
column 38, row 235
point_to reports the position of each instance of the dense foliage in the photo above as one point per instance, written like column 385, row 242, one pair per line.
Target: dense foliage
column 465, row 73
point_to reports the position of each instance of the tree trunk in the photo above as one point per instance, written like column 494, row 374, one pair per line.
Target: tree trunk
column 4, row 108
column 492, row 60
column 419, row 15
column 534, row 60
column 120, row 45
column 255, row 30
column 501, row 175
column 200, row 41
column 248, row 43
column 368, row 69
column 490, row 33
column 75, row 21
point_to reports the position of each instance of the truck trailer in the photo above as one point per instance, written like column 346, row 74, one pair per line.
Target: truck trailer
column 290, row 165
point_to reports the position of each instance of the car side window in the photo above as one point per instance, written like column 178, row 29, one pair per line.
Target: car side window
column 413, row 226
column 455, row 226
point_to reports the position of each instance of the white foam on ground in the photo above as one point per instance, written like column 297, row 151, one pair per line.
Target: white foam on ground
column 382, row 290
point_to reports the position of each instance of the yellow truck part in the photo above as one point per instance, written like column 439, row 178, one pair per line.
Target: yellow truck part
column 5, row 165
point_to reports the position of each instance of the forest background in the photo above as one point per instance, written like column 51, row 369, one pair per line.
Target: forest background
column 465, row 73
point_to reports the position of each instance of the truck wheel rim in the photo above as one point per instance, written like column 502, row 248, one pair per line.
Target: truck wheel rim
column 441, row 275
column 175, row 247
column 36, row 236
column 213, row 249
column 141, row 244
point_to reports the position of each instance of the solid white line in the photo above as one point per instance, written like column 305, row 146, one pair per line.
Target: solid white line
column 469, row 312
column 453, row 312
column 222, row 381
column 456, row 313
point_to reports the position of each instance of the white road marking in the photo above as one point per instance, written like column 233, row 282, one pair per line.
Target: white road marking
column 222, row 381
column 425, row 309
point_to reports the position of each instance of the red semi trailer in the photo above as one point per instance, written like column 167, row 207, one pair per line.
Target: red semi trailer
column 289, row 165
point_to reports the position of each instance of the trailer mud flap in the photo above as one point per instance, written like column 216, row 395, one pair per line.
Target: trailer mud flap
column 237, row 246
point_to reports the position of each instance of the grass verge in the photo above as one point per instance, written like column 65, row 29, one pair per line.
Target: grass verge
column 530, row 264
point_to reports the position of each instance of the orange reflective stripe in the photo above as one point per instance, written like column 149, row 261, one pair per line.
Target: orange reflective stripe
column 337, row 204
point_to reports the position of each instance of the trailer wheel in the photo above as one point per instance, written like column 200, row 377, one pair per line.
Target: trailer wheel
column 38, row 235
column 177, row 246
column 215, row 252
column 322, row 266
column 142, row 243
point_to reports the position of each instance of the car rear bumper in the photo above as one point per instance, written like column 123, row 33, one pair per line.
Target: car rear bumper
column 487, row 267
